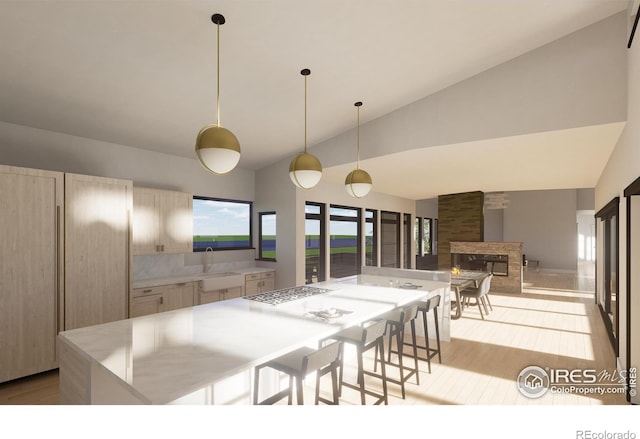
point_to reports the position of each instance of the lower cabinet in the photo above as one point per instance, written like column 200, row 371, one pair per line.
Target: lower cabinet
column 153, row 300
column 259, row 282
column 218, row 295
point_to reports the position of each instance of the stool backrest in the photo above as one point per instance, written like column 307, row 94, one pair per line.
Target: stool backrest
column 409, row 313
column 433, row 302
column 374, row 331
column 318, row 359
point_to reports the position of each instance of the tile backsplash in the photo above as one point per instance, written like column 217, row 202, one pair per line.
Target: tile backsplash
column 185, row 264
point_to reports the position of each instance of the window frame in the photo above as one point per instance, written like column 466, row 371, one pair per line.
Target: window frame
column 420, row 238
column 260, row 247
column 349, row 219
column 322, row 260
column 374, row 245
column 229, row 200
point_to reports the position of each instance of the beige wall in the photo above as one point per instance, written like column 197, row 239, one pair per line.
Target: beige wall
column 622, row 169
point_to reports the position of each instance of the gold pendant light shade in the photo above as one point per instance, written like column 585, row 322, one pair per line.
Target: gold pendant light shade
column 358, row 183
column 217, row 148
column 305, row 169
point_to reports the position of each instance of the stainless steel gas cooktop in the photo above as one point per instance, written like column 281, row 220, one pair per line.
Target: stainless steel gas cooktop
column 286, row 294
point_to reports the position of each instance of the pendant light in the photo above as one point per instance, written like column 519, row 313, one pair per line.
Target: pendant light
column 305, row 169
column 217, row 148
column 358, row 183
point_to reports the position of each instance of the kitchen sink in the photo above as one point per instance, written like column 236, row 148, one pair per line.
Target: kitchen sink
column 218, row 281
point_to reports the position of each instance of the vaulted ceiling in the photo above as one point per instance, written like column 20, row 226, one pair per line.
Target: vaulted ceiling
column 143, row 73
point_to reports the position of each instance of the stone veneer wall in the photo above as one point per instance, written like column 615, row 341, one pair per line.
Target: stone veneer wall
column 506, row 284
column 460, row 218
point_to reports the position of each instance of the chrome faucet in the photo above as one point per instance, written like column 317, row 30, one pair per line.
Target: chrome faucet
column 207, row 264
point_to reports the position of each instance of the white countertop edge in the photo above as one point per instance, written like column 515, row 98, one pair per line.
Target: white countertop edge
column 170, row 280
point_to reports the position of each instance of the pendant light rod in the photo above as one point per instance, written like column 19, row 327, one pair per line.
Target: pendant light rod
column 358, row 105
column 219, row 20
column 305, row 73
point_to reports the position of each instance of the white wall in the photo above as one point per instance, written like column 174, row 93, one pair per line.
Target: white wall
column 545, row 221
column 621, row 170
column 528, row 94
column 493, row 225
column 41, row 149
column 427, row 208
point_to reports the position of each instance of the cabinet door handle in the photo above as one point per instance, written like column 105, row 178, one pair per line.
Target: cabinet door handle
column 147, row 291
column 161, row 300
column 182, row 284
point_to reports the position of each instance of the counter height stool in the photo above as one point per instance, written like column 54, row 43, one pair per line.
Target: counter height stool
column 365, row 337
column 298, row 364
column 425, row 307
column 396, row 322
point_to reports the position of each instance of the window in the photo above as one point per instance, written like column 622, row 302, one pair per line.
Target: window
column 424, row 236
column 407, row 224
column 314, row 243
column 390, row 239
column 221, row 224
column 371, row 238
column 267, row 236
column 344, row 242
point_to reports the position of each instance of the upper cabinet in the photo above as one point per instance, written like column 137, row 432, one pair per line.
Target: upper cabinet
column 162, row 221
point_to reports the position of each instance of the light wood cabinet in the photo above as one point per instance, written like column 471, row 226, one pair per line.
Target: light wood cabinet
column 180, row 295
column 97, row 250
column 259, row 282
column 153, row 300
column 218, row 295
column 162, row 221
column 31, row 226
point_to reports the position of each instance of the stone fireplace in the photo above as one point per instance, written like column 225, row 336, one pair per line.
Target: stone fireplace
column 504, row 259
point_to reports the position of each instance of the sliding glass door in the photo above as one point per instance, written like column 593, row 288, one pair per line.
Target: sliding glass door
column 607, row 269
column 390, row 239
column 344, row 241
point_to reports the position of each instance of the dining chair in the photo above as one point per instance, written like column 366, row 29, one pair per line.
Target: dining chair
column 479, row 294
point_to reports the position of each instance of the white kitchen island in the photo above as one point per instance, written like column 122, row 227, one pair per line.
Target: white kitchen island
column 204, row 354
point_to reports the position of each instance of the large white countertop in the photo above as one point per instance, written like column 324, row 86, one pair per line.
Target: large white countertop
column 162, row 357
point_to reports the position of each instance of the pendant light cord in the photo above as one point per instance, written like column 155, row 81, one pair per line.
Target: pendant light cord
column 218, row 81
column 305, row 114
column 358, row 141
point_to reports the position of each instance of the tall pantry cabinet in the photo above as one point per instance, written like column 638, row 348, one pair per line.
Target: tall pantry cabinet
column 65, row 244
column 31, row 218
column 97, row 249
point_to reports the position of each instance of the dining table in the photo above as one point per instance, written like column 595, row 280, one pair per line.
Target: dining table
column 460, row 281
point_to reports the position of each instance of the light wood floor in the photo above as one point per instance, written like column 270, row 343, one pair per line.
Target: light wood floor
column 554, row 323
